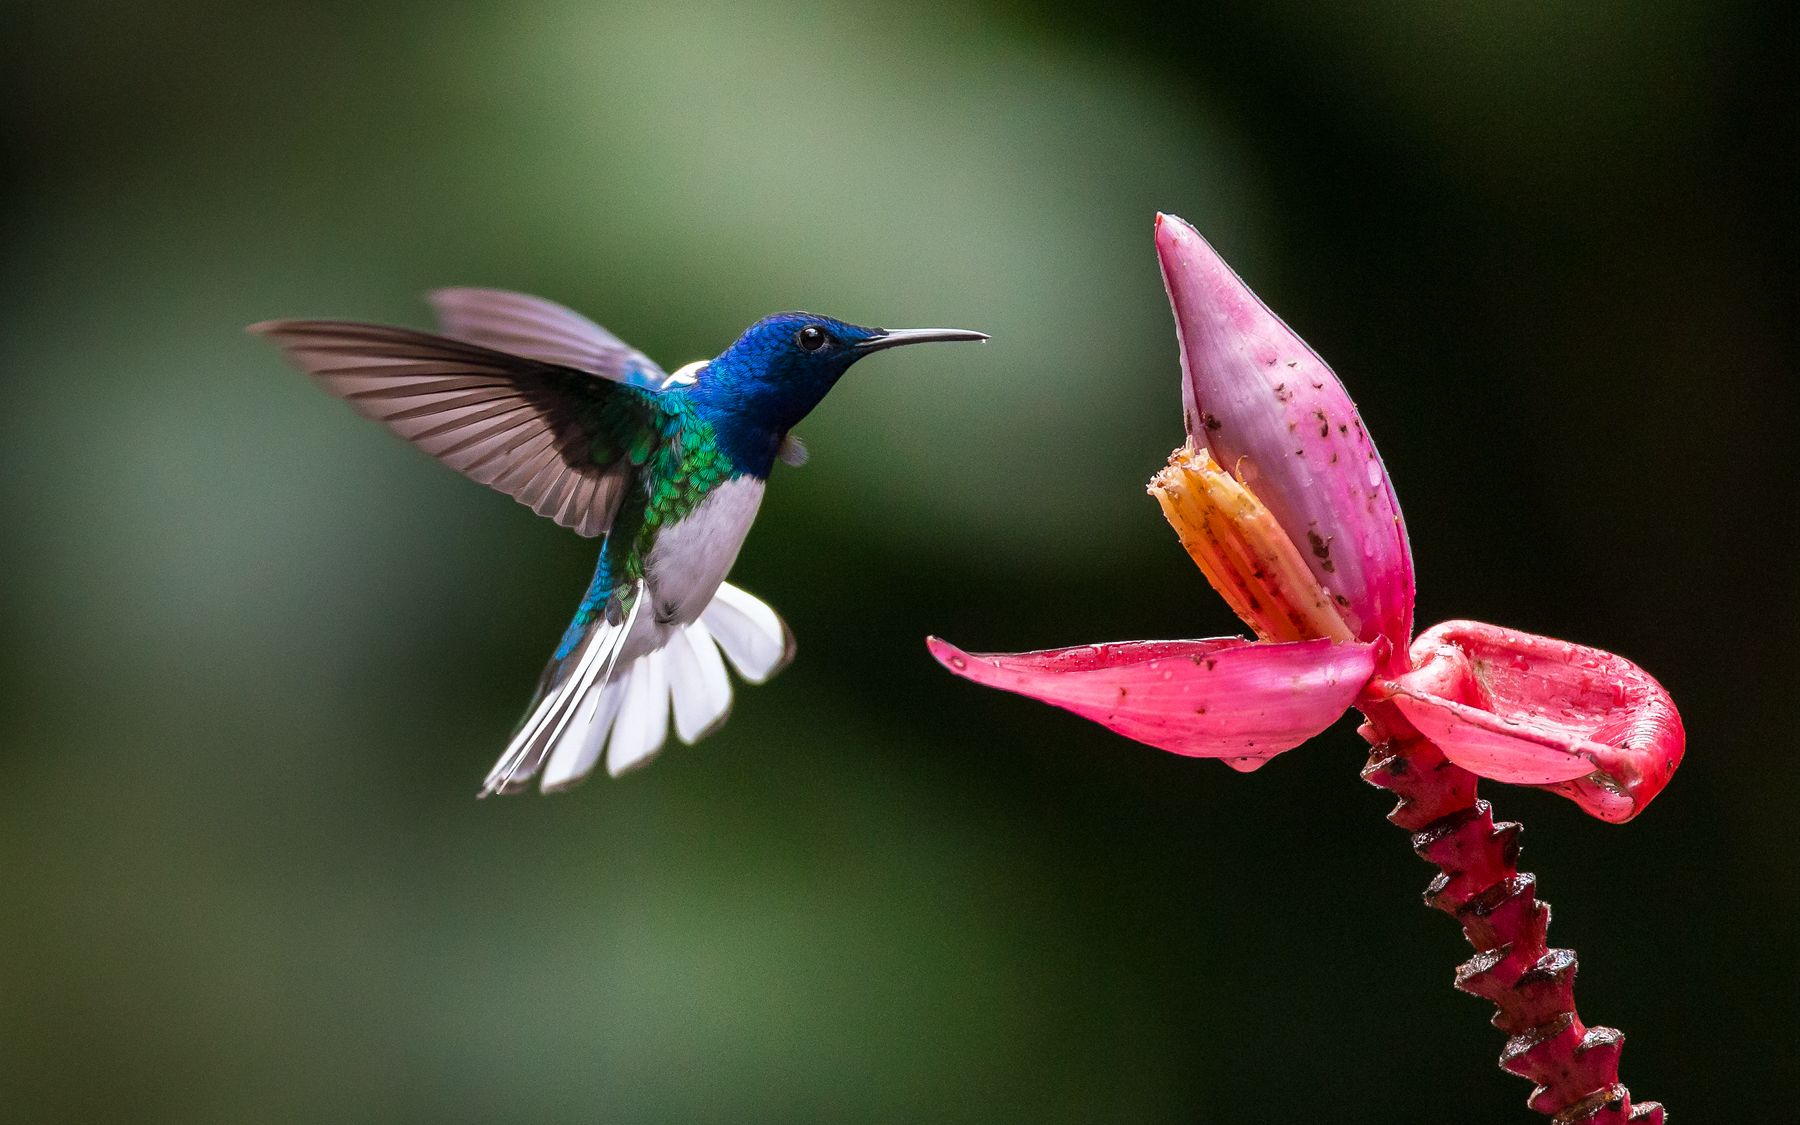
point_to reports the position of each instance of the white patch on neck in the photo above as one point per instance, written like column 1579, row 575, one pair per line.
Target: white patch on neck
column 686, row 375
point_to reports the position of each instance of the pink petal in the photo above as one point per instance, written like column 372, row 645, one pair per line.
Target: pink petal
column 1271, row 411
column 1537, row 711
column 1225, row 698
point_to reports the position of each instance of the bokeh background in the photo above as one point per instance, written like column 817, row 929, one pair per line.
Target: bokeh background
column 256, row 654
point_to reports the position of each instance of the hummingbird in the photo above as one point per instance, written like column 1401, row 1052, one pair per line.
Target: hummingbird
column 667, row 470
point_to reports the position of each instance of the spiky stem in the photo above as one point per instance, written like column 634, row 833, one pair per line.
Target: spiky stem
column 1575, row 1067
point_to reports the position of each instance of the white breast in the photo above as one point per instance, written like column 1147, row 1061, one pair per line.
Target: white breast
column 691, row 558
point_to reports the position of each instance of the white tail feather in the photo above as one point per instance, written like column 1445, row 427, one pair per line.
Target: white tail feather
column 698, row 684
column 624, row 709
column 751, row 633
column 594, row 663
column 580, row 747
column 643, row 722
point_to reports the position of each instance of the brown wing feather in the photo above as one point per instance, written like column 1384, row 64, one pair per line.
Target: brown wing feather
column 518, row 424
column 520, row 324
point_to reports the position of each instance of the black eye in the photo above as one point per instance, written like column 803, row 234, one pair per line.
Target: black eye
column 811, row 338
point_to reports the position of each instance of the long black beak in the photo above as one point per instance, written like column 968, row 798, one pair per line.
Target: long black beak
column 898, row 336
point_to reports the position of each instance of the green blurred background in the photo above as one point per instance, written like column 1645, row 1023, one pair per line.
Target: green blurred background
column 257, row 654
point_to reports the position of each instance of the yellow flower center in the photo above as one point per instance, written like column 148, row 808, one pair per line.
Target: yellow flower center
column 1243, row 551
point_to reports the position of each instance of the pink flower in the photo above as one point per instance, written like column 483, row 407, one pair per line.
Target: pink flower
column 1281, row 498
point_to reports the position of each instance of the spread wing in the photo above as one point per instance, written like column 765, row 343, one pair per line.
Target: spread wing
column 520, row 324
column 555, row 438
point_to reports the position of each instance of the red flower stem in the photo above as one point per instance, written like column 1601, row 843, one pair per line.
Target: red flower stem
column 1576, row 1067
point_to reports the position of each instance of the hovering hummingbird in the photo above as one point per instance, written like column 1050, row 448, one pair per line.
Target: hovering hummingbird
column 537, row 401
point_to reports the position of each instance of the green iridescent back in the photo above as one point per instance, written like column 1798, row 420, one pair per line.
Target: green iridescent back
column 676, row 461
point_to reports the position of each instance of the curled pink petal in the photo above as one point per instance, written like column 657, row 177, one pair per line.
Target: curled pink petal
column 1272, row 412
column 1227, row 697
column 1534, row 710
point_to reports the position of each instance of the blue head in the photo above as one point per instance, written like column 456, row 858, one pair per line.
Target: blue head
column 782, row 367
